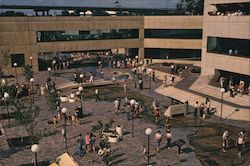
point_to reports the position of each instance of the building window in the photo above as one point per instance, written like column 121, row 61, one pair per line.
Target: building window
column 228, row 46
column 17, row 58
column 73, row 35
column 160, row 53
column 174, row 33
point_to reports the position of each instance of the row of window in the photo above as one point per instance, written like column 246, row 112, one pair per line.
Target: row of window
column 74, row 35
column 162, row 53
column 228, row 46
column 174, row 33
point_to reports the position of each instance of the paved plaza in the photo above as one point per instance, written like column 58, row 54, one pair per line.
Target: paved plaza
column 128, row 151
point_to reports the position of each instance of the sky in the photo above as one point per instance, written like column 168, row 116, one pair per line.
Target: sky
column 153, row 4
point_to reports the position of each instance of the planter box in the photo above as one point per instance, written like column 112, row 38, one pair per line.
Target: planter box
column 64, row 98
column 72, row 100
column 113, row 138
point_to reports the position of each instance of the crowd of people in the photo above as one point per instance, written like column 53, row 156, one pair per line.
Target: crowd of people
column 227, row 13
column 234, row 88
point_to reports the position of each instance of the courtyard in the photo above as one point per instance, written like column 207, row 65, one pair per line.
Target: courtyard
column 203, row 138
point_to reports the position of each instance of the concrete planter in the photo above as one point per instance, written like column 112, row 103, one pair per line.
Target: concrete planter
column 113, row 138
column 72, row 95
column 64, row 98
column 119, row 130
column 72, row 100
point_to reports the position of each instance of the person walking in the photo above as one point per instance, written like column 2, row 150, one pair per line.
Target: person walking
column 102, row 74
column 169, row 137
column 97, row 98
column 153, row 75
column 117, row 105
column 125, row 86
column 144, row 152
column 91, row 78
column 80, row 145
column 92, row 142
column 225, row 141
column 240, row 143
column 196, row 107
column 158, row 138
column 87, row 142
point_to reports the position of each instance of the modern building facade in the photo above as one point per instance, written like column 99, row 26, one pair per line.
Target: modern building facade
column 226, row 37
column 25, row 37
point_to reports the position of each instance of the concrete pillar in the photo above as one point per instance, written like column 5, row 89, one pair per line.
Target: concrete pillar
column 141, row 54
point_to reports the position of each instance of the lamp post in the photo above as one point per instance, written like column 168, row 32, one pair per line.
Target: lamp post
column 64, row 111
column 148, row 131
column 35, row 148
column 15, row 65
column 222, row 90
column 6, row 96
column 80, row 90
column 31, row 62
column 150, row 80
column 132, row 107
column 81, row 76
column 54, row 67
column 49, row 69
column 32, row 90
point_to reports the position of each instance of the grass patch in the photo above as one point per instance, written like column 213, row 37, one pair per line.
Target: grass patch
column 17, row 142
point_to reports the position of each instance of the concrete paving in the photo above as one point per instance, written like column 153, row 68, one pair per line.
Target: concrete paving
column 127, row 152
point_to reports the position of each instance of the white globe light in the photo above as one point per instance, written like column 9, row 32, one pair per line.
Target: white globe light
column 132, row 101
column 81, row 75
column 6, row 95
column 148, row 131
column 32, row 80
column 49, row 68
column 80, row 88
column 222, row 90
column 35, row 148
column 54, row 62
column 64, row 110
column 136, row 57
column 15, row 64
column 31, row 58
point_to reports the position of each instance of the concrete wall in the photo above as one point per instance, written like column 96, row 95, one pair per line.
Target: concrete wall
column 237, row 27
column 18, row 34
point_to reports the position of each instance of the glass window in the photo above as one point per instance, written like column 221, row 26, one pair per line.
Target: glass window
column 17, row 58
column 50, row 36
column 174, row 33
column 159, row 53
column 228, row 46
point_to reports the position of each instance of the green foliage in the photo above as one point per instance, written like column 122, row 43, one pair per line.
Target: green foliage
column 5, row 58
column 190, row 6
column 25, row 115
column 53, row 100
column 100, row 126
column 27, row 72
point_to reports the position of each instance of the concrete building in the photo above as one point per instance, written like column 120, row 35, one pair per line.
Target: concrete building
column 226, row 37
column 25, row 37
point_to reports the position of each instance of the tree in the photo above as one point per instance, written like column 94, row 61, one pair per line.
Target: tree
column 25, row 115
column 27, row 72
column 100, row 127
column 4, row 61
column 190, row 7
column 54, row 101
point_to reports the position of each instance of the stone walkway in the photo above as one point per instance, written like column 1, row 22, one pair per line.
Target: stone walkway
column 127, row 152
